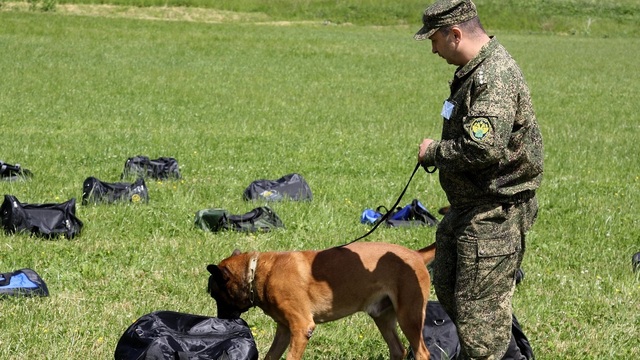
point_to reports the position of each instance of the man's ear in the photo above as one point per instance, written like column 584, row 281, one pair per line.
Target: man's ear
column 456, row 33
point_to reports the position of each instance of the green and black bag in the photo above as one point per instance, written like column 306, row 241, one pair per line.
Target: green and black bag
column 259, row 219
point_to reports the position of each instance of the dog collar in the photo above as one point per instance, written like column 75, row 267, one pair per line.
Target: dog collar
column 253, row 264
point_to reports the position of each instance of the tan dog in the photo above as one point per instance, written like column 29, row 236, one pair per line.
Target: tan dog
column 301, row 288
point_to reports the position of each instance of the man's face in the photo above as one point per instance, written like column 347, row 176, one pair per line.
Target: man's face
column 445, row 46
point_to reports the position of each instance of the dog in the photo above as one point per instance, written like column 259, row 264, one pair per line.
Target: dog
column 299, row 289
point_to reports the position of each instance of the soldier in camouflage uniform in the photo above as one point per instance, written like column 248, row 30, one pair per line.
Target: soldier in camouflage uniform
column 490, row 162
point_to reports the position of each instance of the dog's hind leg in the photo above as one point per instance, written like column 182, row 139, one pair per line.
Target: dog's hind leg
column 411, row 321
column 279, row 344
column 386, row 323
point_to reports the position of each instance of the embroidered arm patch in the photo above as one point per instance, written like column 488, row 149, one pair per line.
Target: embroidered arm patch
column 479, row 128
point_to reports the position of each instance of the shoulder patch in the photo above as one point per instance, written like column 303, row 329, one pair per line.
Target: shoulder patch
column 481, row 80
column 480, row 127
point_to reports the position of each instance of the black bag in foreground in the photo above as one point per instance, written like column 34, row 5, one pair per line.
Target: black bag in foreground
column 635, row 261
column 23, row 282
column 440, row 334
column 96, row 191
column 162, row 168
column 44, row 220
column 441, row 337
column 291, row 186
column 15, row 172
column 259, row 219
column 172, row 335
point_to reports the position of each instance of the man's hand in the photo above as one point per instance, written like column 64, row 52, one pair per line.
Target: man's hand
column 423, row 149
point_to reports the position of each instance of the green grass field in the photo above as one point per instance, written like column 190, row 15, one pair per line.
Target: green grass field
column 242, row 98
column 603, row 18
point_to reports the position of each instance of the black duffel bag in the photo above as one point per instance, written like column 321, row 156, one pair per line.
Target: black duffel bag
column 96, row 191
column 441, row 337
column 44, row 220
column 173, row 335
column 162, row 168
column 15, row 172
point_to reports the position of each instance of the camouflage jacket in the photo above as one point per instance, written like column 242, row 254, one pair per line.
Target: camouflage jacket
column 491, row 146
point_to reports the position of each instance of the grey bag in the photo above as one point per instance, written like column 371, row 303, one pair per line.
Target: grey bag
column 292, row 187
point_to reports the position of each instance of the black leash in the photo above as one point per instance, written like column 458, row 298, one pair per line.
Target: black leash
column 388, row 213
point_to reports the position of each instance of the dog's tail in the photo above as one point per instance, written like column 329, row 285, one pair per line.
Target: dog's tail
column 428, row 253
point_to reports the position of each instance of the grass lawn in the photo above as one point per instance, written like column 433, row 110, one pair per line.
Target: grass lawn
column 343, row 105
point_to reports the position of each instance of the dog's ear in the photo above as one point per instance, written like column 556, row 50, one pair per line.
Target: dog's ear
column 216, row 283
column 214, row 270
column 236, row 252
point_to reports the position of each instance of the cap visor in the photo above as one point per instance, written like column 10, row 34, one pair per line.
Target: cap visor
column 424, row 33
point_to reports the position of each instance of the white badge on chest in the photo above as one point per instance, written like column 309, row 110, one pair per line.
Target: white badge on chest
column 447, row 110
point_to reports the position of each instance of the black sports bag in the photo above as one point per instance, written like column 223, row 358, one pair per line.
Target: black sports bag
column 23, row 282
column 441, row 337
column 635, row 261
column 15, row 172
column 44, row 220
column 291, row 186
column 173, row 335
column 440, row 334
column 96, row 191
column 161, row 168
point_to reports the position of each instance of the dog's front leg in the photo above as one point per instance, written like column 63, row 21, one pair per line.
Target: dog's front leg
column 300, row 334
column 280, row 343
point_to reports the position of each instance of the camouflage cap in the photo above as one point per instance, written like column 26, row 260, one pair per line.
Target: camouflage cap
column 445, row 13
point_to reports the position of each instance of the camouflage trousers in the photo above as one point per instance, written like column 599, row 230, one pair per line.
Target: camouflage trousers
column 479, row 251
